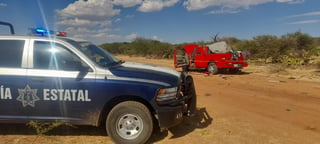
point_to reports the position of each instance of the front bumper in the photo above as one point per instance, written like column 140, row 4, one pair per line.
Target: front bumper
column 169, row 116
column 172, row 113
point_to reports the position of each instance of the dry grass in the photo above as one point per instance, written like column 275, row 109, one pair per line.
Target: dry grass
column 276, row 68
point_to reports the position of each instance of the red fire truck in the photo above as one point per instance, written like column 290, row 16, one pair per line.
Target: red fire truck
column 212, row 58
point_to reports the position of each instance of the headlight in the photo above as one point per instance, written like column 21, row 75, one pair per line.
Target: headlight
column 167, row 94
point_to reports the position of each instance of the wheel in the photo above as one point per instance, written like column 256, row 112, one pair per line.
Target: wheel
column 129, row 122
column 212, row 68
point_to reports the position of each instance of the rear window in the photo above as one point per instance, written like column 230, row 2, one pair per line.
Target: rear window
column 11, row 53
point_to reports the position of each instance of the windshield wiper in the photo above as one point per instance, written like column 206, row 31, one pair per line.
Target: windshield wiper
column 115, row 63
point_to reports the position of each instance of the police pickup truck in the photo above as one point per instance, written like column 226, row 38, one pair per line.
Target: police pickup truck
column 51, row 78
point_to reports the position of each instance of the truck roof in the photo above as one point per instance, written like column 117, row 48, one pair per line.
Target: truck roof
column 28, row 37
column 48, row 38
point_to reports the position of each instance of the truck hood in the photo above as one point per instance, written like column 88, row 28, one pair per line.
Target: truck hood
column 147, row 73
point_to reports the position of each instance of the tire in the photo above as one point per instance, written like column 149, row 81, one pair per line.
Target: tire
column 129, row 122
column 212, row 68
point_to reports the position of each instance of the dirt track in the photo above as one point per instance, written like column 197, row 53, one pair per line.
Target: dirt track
column 254, row 107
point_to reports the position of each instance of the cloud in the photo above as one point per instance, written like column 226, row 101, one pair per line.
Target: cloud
column 202, row 4
column 316, row 13
column 3, row 5
column 224, row 10
column 84, row 22
column 91, row 10
column 127, row 3
column 306, row 16
column 282, row 1
column 129, row 16
column 155, row 37
column 131, row 36
column 91, row 18
column 88, row 19
column 112, row 37
column 290, row 1
column 84, row 32
column 98, row 35
column 305, row 22
column 117, row 20
column 156, row 5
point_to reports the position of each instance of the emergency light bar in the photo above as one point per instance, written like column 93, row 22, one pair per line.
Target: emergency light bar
column 62, row 34
column 44, row 32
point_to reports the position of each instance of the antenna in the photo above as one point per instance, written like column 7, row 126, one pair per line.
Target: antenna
column 9, row 25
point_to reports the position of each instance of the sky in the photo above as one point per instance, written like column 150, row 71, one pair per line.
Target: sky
column 172, row 21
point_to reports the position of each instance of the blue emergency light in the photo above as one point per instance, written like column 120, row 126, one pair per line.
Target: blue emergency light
column 44, row 32
column 38, row 30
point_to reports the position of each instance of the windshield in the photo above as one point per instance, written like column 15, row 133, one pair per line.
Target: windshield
column 98, row 55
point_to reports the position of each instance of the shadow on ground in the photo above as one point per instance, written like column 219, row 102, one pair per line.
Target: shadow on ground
column 200, row 120
column 221, row 72
column 22, row 129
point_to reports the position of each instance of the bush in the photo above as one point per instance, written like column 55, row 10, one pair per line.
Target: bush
column 290, row 49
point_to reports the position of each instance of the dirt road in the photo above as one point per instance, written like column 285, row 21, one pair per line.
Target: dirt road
column 254, row 107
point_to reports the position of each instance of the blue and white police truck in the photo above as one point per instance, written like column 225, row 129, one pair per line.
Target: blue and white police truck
column 52, row 78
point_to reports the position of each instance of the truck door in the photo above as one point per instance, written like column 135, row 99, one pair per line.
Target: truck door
column 200, row 57
column 62, row 81
column 13, row 80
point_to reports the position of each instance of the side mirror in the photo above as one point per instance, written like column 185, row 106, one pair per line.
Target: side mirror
column 103, row 62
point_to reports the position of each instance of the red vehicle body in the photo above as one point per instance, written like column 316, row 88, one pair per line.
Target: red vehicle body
column 212, row 58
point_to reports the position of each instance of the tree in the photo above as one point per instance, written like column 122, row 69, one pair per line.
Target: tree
column 303, row 42
column 267, row 46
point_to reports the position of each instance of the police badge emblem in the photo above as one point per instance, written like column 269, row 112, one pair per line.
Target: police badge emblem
column 28, row 96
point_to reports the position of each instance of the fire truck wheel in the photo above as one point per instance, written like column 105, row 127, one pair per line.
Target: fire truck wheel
column 129, row 122
column 212, row 68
